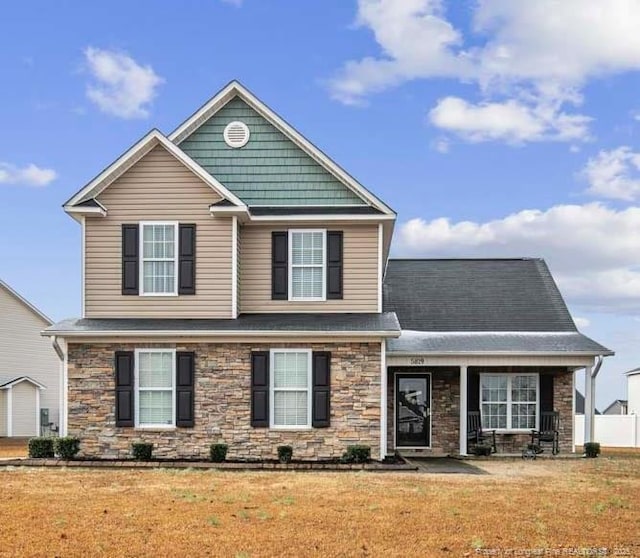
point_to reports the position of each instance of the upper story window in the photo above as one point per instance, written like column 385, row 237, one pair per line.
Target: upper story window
column 159, row 251
column 307, row 260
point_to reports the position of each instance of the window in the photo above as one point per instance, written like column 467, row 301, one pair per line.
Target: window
column 155, row 374
column 307, row 264
column 159, row 252
column 509, row 401
column 290, row 388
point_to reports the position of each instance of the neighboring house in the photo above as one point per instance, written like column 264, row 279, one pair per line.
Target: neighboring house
column 633, row 391
column 29, row 369
column 233, row 291
column 618, row 407
column 579, row 409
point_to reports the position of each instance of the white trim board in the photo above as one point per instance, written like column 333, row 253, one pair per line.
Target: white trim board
column 236, row 89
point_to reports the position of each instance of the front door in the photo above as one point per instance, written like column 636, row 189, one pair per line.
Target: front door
column 413, row 413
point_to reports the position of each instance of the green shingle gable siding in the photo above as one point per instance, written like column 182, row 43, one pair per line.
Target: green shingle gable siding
column 270, row 169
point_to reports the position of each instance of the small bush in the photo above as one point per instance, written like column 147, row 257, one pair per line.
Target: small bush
column 357, row 454
column 67, row 447
column 41, row 447
column 285, row 453
column 592, row 449
column 142, row 451
column 218, row 452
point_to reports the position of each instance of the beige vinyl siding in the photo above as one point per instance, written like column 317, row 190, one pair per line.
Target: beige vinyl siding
column 158, row 188
column 3, row 412
column 360, row 271
column 24, row 352
column 24, row 409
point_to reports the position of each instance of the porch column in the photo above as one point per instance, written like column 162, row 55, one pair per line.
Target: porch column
column 589, row 404
column 383, row 399
column 463, row 410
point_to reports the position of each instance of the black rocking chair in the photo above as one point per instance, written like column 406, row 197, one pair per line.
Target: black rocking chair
column 475, row 433
column 548, row 433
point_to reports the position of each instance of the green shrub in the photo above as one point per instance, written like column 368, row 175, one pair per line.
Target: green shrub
column 142, row 451
column 592, row 449
column 41, row 447
column 218, row 452
column 285, row 453
column 67, row 447
column 357, row 454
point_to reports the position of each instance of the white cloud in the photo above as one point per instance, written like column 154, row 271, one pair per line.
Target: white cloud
column 441, row 145
column 31, row 175
column 581, row 323
column 531, row 58
column 121, row 87
column 591, row 249
column 511, row 121
column 614, row 174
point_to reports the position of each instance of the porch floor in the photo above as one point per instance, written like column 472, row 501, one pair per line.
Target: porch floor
column 439, row 465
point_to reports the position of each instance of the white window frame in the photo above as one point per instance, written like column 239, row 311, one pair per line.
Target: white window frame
column 290, row 266
column 509, row 402
column 137, row 353
column 175, row 258
column 272, row 390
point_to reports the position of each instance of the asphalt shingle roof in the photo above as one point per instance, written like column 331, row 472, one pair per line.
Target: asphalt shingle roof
column 475, row 295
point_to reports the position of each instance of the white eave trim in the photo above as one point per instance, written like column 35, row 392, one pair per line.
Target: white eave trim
column 391, row 352
column 235, row 88
column 23, row 379
column 133, row 155
column 218, row 333
column 102, row 211
column 329, row 217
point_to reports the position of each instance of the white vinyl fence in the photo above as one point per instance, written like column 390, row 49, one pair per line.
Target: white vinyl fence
column 620, row 431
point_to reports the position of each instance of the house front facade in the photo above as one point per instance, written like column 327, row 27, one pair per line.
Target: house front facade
column 237, row 288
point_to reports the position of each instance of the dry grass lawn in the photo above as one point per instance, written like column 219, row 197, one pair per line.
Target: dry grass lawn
column 519, row 505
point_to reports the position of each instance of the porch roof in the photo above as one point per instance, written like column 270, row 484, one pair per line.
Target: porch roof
column 495, row 343
column 373, row 325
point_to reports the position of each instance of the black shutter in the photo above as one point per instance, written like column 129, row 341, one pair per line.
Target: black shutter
column 124, row 388
column 334, row 264
column 185, row 372
column 187, row 260
column 321, row 389
column 130, row 257
column 260, row 389
column 546, row 392
column 279, row 265
column 473, row 391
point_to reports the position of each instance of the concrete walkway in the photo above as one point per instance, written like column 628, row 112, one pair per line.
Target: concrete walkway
column 444, row 465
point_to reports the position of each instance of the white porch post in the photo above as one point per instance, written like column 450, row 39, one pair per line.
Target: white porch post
column 383, row 399
column 589, row 404
column 463, row 410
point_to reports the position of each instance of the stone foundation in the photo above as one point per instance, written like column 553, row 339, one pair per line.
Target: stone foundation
column 222, row 404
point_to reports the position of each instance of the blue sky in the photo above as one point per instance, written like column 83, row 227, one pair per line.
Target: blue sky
column 492, row 128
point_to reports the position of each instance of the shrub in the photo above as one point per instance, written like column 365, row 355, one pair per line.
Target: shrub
column 67, row 447
column 592, row 449
column 357, row 454
column 481, row 449
column 142, row 451
column 218, row 452
column 41, row 447
column 285, row 453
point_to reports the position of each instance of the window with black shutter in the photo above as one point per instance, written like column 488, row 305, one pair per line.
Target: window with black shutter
column 124, row 380
column 334, row 264
column 130, row 259
column 279, row 265
column 187, row 259
column 321, row 411
column 260, row 389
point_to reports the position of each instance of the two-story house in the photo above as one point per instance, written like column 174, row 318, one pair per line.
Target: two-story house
column 237, row 287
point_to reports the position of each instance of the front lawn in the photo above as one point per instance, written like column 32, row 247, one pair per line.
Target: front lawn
column 563, row 504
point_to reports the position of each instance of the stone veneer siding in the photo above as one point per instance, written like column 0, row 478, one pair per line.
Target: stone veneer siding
column 222, row 404
column 445, row 412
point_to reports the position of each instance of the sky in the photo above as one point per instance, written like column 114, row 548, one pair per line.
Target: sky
column 494, row 128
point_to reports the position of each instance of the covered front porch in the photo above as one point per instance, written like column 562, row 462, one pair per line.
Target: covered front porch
column 429, row 399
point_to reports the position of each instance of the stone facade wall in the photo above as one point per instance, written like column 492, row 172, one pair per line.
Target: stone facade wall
column 445, row 413
column 222, row 404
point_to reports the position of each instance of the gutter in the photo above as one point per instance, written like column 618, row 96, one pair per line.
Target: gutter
column 216, row 333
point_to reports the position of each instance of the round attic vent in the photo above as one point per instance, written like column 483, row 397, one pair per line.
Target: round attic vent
column 236, row 134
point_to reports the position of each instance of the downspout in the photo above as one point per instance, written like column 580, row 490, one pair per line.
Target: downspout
column 62, row 395
column 590, row 399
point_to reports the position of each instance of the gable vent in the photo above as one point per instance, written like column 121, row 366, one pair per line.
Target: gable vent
column 236, row 134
